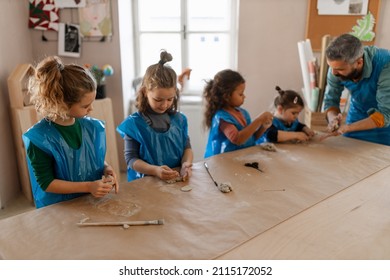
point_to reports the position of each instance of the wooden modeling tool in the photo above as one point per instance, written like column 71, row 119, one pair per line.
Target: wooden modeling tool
column 125, row 224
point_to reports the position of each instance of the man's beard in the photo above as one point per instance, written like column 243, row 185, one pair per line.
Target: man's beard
column 354, row 75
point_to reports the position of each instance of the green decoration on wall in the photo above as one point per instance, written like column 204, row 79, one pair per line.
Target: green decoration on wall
column 364, row 27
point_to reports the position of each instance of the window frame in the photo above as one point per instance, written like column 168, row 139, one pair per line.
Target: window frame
column 232, row 32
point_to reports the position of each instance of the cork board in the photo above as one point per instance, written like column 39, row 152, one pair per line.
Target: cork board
column 319, row 25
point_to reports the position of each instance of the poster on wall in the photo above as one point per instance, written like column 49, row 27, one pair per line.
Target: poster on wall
column 70, row 3
column 95, row 18
column 342, row 7
column 69, row 40
column 43, row 15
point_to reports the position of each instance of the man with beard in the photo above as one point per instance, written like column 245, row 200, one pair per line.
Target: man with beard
column 365, row 72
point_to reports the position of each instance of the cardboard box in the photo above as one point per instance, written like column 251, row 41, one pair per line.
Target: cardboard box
column 315, row 120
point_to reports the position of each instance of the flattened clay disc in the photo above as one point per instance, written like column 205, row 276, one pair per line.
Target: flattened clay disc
column 186, row 188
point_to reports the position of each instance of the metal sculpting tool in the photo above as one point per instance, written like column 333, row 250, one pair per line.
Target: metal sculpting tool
column 208, row 171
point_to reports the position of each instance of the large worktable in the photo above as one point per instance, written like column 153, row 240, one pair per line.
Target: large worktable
column 321, row 200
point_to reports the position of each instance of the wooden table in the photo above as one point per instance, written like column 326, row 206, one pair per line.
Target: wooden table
column 352, row 224
column 321, row 200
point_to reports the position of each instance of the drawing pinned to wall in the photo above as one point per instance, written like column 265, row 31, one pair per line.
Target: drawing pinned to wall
column 70, row 3
column 95, row 18
column 43, row 15
column 342, row 7
column 69, row 40
column 364, row 28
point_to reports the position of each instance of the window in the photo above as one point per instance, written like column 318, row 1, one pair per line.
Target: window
column 200, row 34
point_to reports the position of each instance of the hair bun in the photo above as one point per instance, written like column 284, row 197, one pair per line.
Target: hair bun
column 165, row 57
column 279, row 90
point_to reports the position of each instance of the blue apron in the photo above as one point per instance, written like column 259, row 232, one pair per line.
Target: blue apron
column 81, row 165
column 363, row 98
column 217, row 142
column 156, row 148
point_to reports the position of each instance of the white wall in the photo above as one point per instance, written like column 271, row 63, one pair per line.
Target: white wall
column 15, row 48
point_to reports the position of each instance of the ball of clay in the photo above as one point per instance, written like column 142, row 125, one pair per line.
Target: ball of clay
column 109, row 179
column 268, row 146
column 177, row 179
column 225, row 187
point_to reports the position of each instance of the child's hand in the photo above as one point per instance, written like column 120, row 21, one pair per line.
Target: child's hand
column 185, row 72
column 99, row 188
column 165, row 173
column 265, row 119
column 309, row 132
column 301, row 137
column 109, row 172
column 186, row 170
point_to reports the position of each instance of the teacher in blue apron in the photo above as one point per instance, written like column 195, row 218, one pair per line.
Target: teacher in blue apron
column 365, row 72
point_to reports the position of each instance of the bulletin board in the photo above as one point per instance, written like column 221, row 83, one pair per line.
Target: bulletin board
column 319, row 25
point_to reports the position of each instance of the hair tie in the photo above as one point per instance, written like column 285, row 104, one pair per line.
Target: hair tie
column 295, row 100
column 60, row 67
column 161, row 62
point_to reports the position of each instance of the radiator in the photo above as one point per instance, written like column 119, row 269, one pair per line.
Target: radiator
column 198, row 136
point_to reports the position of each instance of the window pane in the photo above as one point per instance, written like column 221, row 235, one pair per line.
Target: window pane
column 159, row 15
column 209, row 53
column 209, row 15
column 151, row 46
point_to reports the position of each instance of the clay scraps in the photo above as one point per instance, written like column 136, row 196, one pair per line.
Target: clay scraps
column 254, row 165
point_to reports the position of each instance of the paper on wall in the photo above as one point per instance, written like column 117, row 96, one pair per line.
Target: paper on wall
column 95, row 18
column 69, row 40
column 43, row 15
column 342, row 7
column 69, row 3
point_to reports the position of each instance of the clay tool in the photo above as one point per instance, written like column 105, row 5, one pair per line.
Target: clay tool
column 223, row 187
column 125, row 224
column 254, row 165
column 208, row 171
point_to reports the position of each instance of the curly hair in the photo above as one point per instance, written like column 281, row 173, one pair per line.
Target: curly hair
column 158, row 75
column 288, row 99
column 218, row 91
column 55, row 87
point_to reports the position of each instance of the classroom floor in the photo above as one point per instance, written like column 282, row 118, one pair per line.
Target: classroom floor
column 20, row 204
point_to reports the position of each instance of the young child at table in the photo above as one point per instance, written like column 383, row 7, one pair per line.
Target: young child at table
column 66, row 149
column 285, row 125
column 156, row 136
column 230, row 125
